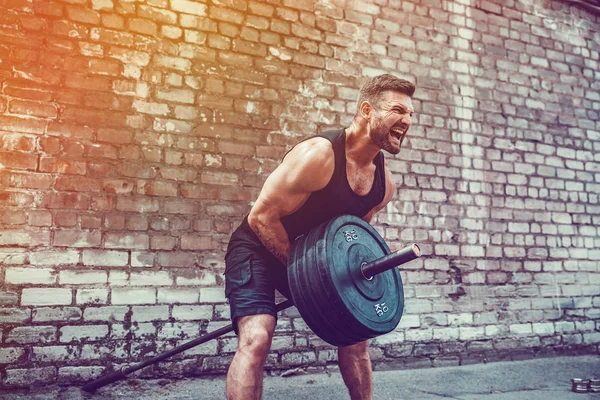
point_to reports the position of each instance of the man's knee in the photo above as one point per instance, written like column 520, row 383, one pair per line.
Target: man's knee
column 255, row 334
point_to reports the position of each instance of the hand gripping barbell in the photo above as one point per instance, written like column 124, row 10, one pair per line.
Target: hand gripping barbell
column 343, row 281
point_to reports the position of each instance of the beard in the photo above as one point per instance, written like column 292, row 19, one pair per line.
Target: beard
column 380, row 134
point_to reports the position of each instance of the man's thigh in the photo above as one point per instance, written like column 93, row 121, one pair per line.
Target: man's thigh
column 251, row 278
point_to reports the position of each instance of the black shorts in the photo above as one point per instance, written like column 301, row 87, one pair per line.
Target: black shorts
column 252, row 273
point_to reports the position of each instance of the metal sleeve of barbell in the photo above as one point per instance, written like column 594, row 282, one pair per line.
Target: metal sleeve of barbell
column 390, row 261
column 123, row 372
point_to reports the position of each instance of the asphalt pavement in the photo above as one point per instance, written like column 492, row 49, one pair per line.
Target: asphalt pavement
column 537, row 379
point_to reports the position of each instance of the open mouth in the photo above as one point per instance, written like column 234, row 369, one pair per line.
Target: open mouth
column 398, row 133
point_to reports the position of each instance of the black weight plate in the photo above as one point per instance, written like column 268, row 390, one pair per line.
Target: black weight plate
column 328, row 288
column 374, row 307
column 306, row 288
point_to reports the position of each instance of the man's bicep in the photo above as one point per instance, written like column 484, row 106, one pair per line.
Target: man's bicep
column 281, row 195
column 301, row 173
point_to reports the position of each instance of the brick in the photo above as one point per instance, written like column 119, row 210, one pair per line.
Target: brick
column 191, row 313
column 11, row 355
column 31, row 334
column 78, row 277
column 54, row 353
column 29, row 377
column 140, row 204
column 46, row 296
column 149, row 313
column 76, row 238
column 189, row 7
column 143, row 26
column 87, row 333
column 16, row 237
column 14, row 315
column 178, row 296
column 109, row 314
column 127, row 241
column 91, row 296
column 157, row 14
column 133, row 296
column 142, row 259
column 151, row 278
column 22, row 125
column 33, row 109
column 176, row 95
column 62, row 314
column 40, row 276
column 79, row 374
column 107, row 258
column 19, row 161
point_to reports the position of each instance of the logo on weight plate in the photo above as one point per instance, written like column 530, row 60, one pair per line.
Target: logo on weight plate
column 380, row 309
column 350, row 235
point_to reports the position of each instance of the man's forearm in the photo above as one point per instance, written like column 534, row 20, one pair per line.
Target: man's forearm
column 274, row 237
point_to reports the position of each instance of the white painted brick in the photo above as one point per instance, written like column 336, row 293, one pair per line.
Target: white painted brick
column 178, row 295
column 585, row 326
column 91, row 296
column 32, row 334
column 564, row 326
column 36, row 276
column 445, row 333
column 543, row 328
column 496, row 330
column 410, row 321
column 415, row 335
column 212, row 295
column 14, row 315
column 15, row 237
column 29, row 377
column 418, row 306
column 118, row 278
column 83, row 332
column 460, row 319
column 150, row 313
column 520, row 329
column 133, row 296
column 189, row 7
column 46, row 297
column 13, row 256
column 471, row 333
column 282, row 343
column 109, row 313
column 105, row 258
column 54, row 353
column 54, row 257
column 142, row 259
column 81, row 277
column 79, row 374
column 95, row 351
column 202, row 279
column 395, row 336
column 591, row 338
column 10, row 355
column 192, row 313
column 181, row 330
column 151, row 278
column 145, row 330
column 46, row 314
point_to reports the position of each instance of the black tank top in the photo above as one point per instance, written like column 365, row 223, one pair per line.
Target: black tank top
column 335, row 199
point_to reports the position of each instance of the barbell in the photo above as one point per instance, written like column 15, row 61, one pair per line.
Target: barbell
column 343, row 280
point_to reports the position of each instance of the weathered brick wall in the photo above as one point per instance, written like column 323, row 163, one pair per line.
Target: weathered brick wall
column 134, row 136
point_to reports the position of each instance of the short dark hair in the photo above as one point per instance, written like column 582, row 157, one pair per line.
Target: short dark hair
column 372, row 90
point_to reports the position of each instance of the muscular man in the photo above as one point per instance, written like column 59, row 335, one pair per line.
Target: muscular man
column 337, row 172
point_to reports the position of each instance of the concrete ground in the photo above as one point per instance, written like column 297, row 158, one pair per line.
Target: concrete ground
column 538, row 379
